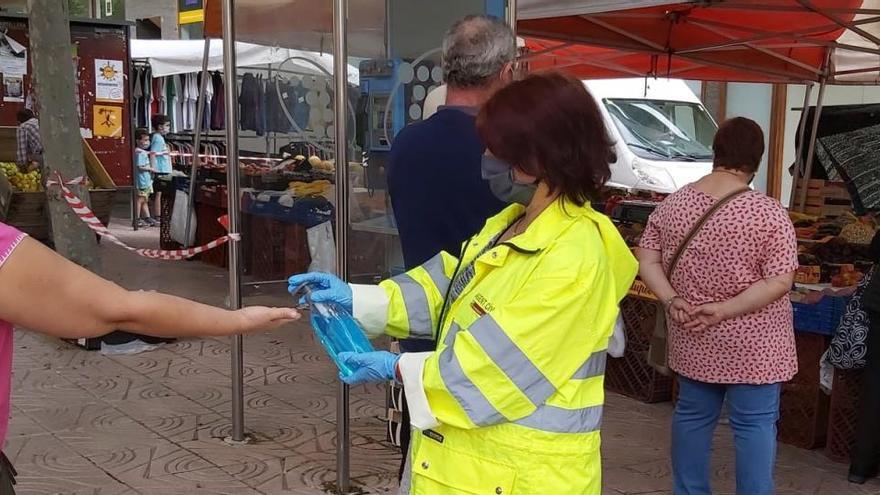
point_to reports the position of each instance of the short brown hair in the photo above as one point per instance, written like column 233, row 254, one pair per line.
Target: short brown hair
column 739, row 145
column 549, row 126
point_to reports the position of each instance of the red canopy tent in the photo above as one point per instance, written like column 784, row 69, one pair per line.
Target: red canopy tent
column 761, row 41
column 737, row 40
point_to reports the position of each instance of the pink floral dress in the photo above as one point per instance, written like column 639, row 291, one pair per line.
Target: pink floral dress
column 749, row 239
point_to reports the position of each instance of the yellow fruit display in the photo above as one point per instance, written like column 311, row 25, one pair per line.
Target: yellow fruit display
column 27, row 182
column 303, row 189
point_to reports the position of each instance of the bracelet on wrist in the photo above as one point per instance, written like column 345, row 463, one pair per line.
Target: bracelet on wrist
column 668, row 303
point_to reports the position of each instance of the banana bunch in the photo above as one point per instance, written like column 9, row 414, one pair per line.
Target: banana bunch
column 27, row 182
column 303, row 189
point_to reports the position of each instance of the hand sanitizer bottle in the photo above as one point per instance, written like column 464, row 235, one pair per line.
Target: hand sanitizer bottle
column 336, row 329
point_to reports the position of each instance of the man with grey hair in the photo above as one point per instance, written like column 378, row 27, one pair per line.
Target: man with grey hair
column 437, row 191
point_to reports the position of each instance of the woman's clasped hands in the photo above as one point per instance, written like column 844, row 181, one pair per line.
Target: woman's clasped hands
column 696, row 318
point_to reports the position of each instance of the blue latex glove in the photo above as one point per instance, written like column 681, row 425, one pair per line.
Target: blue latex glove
column 369, row 367
column 325, row 287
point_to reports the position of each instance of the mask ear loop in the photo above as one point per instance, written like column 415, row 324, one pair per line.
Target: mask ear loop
column 513, row 179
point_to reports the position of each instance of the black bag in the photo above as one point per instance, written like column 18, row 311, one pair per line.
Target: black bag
column 7, row 476
column 849, row 345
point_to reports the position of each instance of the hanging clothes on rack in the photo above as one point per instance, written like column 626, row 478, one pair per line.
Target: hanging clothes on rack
column 209, row 97
column 261, row 106
column 162, row 95
column 218, row 104
column 177, row 101
column 147, row 103
column 192, row 99
column 137, row 94
column 302, row 110
column 278, row 97
column 155, row 95
column 248, row 102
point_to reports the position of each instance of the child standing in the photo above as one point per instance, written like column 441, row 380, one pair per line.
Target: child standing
column 144, row 179
column 160, row 162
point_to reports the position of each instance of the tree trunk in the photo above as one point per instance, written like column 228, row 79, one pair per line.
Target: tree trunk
column 52, row 62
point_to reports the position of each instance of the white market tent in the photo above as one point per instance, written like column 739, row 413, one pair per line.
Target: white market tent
column 168, row 57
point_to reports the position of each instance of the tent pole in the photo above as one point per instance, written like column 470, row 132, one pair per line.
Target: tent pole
column 232, row 184
column 197, row 142
column 340, row 84
column 811, row 149
column 511, row 15
column 799, row 157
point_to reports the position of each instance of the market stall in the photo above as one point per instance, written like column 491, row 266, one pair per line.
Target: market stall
column 285, row 132
column 779, row 41
column 100, row 56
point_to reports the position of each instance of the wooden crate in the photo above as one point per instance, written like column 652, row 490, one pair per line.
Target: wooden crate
column 102, row 203
column 825, row 198
column 28, row 212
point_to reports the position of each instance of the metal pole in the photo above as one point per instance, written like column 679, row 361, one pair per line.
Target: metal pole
column 340, row 80
column 798, row 160
column 197, row 141
column 511, row 15
column 232, row 184
column 811, row 149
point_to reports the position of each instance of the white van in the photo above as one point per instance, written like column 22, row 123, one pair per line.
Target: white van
column 663, row 134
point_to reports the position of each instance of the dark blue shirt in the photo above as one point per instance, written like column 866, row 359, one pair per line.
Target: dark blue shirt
column 438, row 194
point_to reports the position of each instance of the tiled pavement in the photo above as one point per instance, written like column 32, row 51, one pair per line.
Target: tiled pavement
column 153, row 423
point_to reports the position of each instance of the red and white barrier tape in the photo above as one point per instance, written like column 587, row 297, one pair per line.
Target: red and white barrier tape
column 214, row 157
column 87, row 216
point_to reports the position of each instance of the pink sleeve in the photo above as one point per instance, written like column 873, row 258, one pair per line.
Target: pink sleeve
column 781, row 255
column 10, row 238
column 651, row 236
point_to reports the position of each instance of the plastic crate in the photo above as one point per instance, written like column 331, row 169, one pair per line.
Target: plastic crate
column 844, row 414
column 631, row 375
column 804, row 407
column 822, row 317
column 208, row 229
column 306, row 211
column 167, row 204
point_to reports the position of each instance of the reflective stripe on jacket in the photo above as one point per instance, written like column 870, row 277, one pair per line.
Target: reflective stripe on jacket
column 511, row 400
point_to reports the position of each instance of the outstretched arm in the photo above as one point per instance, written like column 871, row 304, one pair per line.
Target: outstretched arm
column 44, row 292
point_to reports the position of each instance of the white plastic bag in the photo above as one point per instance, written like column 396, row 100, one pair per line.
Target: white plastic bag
column 322, row 248
column 136, row 346
column 617, row 342
column 826, row 374
column 178, row 220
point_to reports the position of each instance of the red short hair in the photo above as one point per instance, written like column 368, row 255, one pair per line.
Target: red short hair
column 549, row 126
column 739, row 145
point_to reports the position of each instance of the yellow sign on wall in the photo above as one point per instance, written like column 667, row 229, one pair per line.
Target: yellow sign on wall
column 191, row 16
column 107, row 121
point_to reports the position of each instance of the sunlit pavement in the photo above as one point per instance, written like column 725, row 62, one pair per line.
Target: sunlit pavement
column 154, row 423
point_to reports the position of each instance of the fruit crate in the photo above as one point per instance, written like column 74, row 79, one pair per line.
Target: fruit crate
column 804, row 407
column 844, row 414
column 29, row 213
column 631, row 375
column 822, row 317
column 827, row 199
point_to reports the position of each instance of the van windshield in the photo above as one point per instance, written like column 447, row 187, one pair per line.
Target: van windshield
column 664, row 130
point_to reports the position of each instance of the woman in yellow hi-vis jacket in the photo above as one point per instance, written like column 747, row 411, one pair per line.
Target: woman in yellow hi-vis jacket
column 511, row 400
